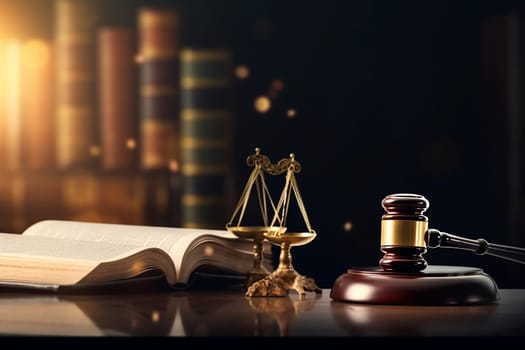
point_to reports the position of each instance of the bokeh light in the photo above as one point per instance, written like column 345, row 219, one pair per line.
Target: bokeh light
column 174, row 165
column 131, row 143
column 262, row 104
column 242, row 72
column 94, row 150
column 291, row 113
column 347, row 226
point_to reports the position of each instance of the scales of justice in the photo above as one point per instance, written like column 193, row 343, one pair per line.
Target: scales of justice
column 260, row 281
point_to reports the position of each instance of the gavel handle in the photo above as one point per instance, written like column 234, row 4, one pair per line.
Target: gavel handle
column 436, row 238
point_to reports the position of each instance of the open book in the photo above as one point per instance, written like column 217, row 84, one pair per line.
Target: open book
column 53, row 254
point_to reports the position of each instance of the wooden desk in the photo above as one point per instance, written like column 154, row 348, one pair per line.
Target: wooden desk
column 230, row 313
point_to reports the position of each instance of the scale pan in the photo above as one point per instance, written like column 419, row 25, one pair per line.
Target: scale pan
column 252, row 232
column 292, row 238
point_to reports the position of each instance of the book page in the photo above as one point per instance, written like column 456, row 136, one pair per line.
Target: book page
column 44, row 260
column 173, row 240
column 25, row 246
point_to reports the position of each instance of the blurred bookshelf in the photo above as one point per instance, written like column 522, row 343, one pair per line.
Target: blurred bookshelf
column 89, row 115
column 86, row 195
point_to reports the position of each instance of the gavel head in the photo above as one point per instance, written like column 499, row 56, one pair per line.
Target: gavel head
column 403, row 230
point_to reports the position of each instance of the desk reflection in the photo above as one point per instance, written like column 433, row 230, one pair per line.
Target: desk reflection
column 217, row 313
column 85, row 315
column 505, row 317
column 230, row 313
column 391, row 320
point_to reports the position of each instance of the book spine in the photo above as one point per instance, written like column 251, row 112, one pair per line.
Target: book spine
column 159, row 35
column 38, row 148
column 158, row 199
column 118, row 104
column 6, row 206
column 122, row 198
column 10, row 104
column 76, row 110
column 3, row 105
column 41, row 199
column 206, row 130
column 12, row 205
column 80, row 190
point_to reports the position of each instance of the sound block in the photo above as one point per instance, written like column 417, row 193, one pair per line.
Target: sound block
column 436, row 285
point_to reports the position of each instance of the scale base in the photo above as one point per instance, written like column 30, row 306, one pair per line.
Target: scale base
column 255, row 276
column 280, row 282
column 436, row 285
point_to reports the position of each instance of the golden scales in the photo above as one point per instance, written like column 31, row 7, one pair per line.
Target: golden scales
column 260, row 281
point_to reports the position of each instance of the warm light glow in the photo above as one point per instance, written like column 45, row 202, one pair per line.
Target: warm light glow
column 291, row 113
column 134, row 323
column 131, row 143
column 139, row 58
column 94, row 151
column 277, row 85
column 12, row 86
column 37, row 102
column 3, row 89
column 347, row 226
column 242, row 72
column 136, row 267
column 155, row 316
column 174, row 165
column 262, row 104
column 36, row 54
column 360, row 291
column 359, row 314
column 208, row 251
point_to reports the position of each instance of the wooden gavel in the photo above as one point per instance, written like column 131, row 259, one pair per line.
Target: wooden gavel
column 405, row 236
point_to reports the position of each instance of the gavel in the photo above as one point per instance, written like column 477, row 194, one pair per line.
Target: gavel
column 405, row 236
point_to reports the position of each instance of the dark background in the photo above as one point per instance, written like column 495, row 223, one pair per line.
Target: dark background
column 391, row 96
